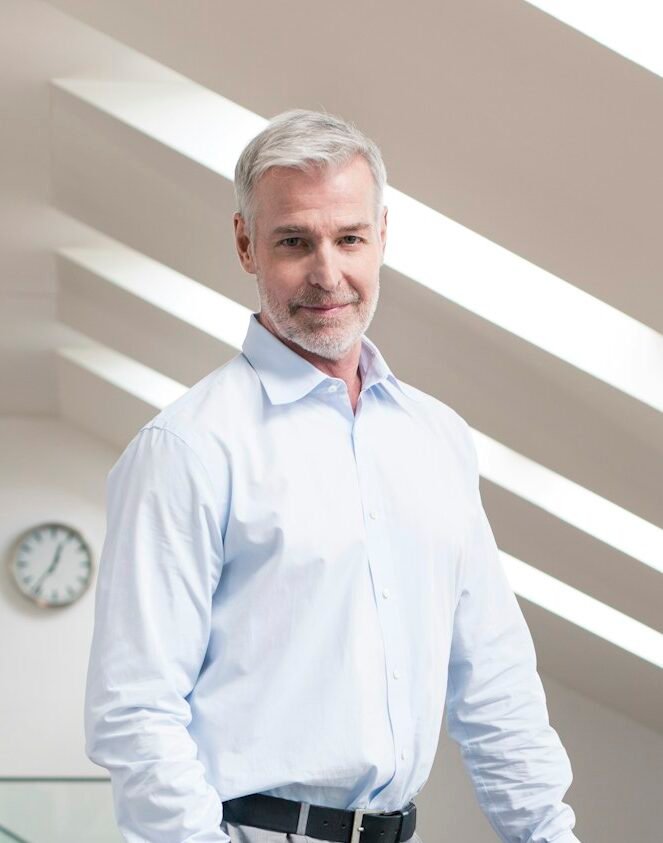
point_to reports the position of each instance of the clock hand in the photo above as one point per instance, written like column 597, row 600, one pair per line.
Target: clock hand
column 56, row 558
column 53, row 564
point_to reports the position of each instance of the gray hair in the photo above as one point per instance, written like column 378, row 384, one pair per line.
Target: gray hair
column 300, row 139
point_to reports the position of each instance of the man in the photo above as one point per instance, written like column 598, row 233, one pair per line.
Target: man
column 298, row 573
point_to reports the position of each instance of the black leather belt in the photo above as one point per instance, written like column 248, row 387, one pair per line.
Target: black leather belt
column 337, row 824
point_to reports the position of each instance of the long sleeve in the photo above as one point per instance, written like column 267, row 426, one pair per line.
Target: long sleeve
column 496, row 706
column 160, row 564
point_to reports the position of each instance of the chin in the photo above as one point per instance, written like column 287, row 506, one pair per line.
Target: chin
column 325, row 346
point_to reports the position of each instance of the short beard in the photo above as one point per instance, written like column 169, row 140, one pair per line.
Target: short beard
column 330, row 341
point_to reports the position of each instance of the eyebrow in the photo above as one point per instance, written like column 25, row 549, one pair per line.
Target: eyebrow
column 290, row 230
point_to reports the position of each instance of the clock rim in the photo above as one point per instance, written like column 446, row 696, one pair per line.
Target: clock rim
column 13, row 557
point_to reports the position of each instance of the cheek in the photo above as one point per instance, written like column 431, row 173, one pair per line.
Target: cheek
column 274, row 273
column 281, row 280
column 364, row 275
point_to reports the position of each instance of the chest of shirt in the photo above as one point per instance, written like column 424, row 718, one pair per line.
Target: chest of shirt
column 314, row 490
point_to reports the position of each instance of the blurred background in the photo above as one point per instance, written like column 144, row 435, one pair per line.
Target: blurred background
column 522, row 286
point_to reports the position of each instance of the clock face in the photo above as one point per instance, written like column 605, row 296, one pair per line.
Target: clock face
column 52, row 564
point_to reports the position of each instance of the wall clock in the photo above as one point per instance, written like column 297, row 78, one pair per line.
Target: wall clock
column 51, row 564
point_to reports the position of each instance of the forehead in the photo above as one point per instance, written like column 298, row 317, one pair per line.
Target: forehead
column 286, row 193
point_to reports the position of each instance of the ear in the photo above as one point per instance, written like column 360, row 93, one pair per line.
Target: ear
column 383, row 229
column 243, row 245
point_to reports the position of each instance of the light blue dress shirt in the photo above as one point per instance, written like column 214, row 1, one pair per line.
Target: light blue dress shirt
column 289, row 594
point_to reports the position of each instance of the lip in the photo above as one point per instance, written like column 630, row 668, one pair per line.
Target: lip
column 331, row 309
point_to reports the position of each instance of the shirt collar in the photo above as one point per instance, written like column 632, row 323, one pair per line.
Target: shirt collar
column 287, row 376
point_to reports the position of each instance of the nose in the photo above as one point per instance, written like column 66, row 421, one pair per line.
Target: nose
column 324, row 270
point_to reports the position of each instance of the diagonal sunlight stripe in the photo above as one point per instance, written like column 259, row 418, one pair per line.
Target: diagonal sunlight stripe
column 524, row 299
column 632, row 28
column 125, row 373
column 570, row 501
column 165, row 288
column 579, row 608
column 182, row 115
column 424, row 245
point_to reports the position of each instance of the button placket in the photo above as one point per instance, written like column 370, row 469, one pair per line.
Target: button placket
column 377, row 550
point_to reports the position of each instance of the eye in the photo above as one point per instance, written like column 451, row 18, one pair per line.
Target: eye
column 290, row 242
column 351, row 239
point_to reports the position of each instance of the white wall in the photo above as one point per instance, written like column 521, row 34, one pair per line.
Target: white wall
column 52, row 471
column 49, row 471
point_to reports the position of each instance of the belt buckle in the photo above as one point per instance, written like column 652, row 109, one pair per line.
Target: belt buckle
column 357, row 827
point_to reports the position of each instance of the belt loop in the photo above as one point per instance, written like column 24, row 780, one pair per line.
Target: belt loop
column 303, row 818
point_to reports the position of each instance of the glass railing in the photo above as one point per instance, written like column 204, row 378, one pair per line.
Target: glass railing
column 6, row 836
column 57, row 810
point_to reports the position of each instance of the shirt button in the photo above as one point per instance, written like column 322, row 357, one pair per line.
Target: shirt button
column 332, row 388
column 373, row 514
column 385, row 593
column 396, row 674
column 402, row 754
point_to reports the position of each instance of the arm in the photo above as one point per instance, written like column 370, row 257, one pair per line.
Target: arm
column 159, row 567
column 496, row 707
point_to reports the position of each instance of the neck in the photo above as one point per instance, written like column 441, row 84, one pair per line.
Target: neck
column 346, row 368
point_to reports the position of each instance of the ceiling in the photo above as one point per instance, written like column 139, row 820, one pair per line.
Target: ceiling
column 534, row 138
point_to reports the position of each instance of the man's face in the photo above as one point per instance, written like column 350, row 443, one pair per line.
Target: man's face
column 316, row 254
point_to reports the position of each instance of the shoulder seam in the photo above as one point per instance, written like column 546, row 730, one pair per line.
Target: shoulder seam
column 150, row 426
